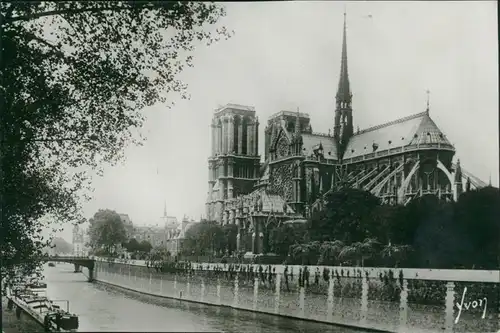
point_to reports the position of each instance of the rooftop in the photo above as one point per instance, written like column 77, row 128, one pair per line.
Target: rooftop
column 415, row 129
column 311, row 142
column 289, row 113
column 235, row 106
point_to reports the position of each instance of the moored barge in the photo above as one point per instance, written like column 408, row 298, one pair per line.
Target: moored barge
column 31, row 298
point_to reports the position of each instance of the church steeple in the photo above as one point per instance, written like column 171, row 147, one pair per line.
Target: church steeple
column 343, row 128
column 343, row 91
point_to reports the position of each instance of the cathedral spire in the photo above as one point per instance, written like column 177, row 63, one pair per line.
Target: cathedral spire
column 344, row 91
column 428, row 92
column 343, row 124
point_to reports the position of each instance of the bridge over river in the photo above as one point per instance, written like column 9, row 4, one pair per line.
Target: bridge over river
column 102, row 308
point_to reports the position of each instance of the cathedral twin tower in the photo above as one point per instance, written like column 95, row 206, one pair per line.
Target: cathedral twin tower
column 396, row 161
column 235, row 161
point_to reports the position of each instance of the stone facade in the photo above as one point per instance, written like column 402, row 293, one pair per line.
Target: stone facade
column 396, row 161
column 79, row 241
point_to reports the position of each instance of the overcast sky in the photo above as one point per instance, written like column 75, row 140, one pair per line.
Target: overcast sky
column 287, row 55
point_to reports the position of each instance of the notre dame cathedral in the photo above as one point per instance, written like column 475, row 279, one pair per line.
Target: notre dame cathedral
column 396, row 161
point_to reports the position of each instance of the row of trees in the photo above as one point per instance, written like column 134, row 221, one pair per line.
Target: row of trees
column 355, row 228
column 60, row 246
column 71, row 98
column 132, row 245
column 107, row 231
column 208, row 238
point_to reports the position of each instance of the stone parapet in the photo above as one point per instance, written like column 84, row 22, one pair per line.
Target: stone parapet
column 352, row 299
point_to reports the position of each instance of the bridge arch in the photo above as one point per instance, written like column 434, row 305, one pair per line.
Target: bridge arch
column 87, row 262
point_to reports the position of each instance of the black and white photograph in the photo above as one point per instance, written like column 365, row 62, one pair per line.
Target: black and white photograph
column 255, row 166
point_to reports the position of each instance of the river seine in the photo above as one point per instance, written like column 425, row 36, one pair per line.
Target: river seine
column 102, row 308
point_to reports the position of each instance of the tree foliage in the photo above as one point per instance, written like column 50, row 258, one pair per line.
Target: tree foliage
column 347, row 216
column 60, row 246
column 81, row 71
column 145, row 246
column 204, row 238
column 286, row 235
column 355, row 228
column 106, row 230
column 477, row 217
column 132, row 245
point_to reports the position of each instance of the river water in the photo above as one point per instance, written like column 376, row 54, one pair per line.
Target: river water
column 101, row 308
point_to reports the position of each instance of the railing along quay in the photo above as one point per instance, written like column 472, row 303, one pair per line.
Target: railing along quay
column 386, row 299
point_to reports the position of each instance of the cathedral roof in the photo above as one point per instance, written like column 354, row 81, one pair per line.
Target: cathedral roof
column 312, row 141
column 417, row 129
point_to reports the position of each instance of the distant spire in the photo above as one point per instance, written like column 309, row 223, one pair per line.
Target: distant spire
column 428, row 99
column 165, row 209
column 489, row 181
column 344, row 91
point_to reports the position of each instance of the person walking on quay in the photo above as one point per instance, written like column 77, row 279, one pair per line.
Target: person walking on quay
column 264, row 276
column 306, row 276
column 270, row 275
column 285, row 272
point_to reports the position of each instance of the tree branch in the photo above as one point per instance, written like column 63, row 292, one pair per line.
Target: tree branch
column 46, row 43
column 81, row 10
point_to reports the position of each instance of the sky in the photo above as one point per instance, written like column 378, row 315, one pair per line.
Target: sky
column 286, row 55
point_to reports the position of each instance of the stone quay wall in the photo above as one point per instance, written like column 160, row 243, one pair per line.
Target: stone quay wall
column 372, row 298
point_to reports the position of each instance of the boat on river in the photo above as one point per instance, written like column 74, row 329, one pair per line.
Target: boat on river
column 30, row 297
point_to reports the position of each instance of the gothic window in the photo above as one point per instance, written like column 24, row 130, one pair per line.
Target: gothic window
column 282, row 183
column 282, row 147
